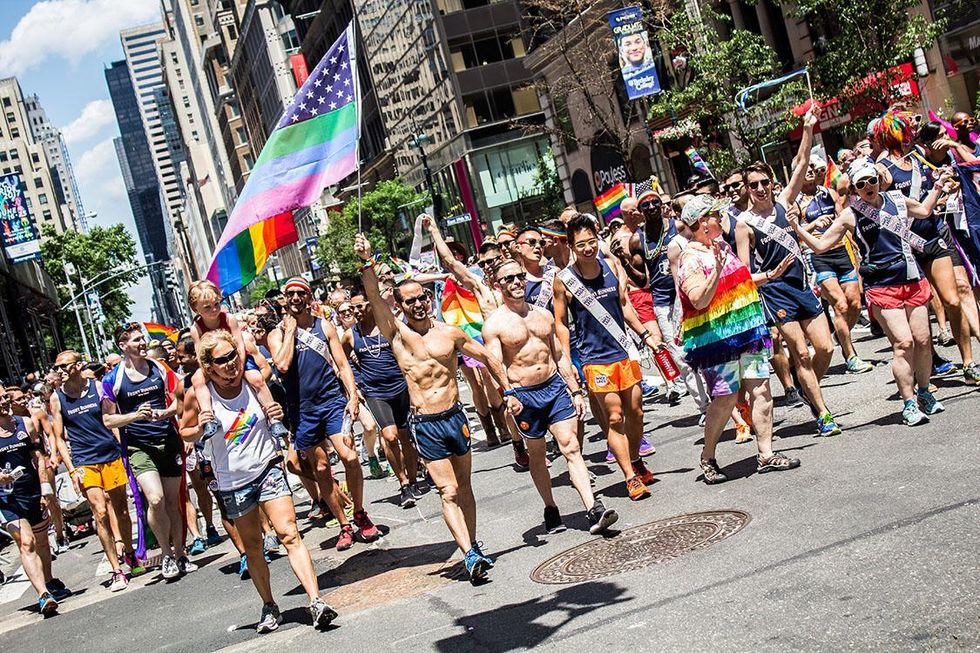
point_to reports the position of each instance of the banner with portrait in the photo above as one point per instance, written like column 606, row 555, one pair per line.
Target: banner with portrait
column 20, row 238
column 636, row 61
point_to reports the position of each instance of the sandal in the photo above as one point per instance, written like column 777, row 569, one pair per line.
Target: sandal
column 711, row 473
column 778, row 462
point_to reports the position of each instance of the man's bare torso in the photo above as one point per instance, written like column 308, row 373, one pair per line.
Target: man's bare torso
column 429, row 363
column 525, row 343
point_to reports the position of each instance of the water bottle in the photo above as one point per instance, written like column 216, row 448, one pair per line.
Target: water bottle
column 665, row 363
column 348, row 426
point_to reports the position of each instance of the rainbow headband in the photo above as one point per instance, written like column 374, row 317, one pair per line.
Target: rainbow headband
column 297, row 282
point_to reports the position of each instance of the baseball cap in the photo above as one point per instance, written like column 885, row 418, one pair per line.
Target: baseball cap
column 817, row 161
column 862, row 168
column 698, row 206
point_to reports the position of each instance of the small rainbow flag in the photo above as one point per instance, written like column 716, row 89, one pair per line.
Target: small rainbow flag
column 160, row 331
column 833, row 175
column 241, row 428
column 461, row 309
column 696, row 161
column 608, row 203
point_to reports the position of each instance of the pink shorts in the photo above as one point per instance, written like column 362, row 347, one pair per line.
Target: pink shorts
column 911, row 294
column 642, row 302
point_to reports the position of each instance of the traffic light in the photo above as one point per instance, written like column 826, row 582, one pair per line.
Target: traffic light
column 170, row 274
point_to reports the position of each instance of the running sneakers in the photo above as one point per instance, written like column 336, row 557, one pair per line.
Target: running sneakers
column 636, row 489
column 135, row 565
column 601, row 518
column 317, row 511
column 211, row 429
column 793, row 398
column 646, row 449
column 552, row 520
column 186, row 566
column 673, row 397
column 214, row 539
column 857, row 365
column 743, row 433
column 243, row 567
column 169, row 568
column 270, row 543
column 610, row 457
column 475, row 566
column 119, row 581
column 47, row 604
column 827, row 426
column 945, row 337
column 368, row 530
column 971, row 374
column 57, row 589
column 928, row 403
column 911, row 415
column 712, row 474
column 270, row 619
column 375, row 467
column 520, row 454
column 321, row 614
column 942, row 367
column 649, row 389
column 198, row 546
column 642, row 472
column 406, row 499
column 419, row 488
column 478, row 547
column 346, row 538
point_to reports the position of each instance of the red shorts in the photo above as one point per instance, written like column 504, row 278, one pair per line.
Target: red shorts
column 642, row 302
column 911, row 294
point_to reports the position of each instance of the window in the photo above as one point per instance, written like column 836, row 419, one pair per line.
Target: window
column 11, row 117
column 46, row 214
column 38, row 182
column 6, row 102
column 14, row 154
column 248, row 161
column 194, row 135
column 35, row 158
column 199, row 20
column 14, row 132
column 187, row 102
column 42, row 198
column 242, row 136
column 233, row 109
column 3, row 156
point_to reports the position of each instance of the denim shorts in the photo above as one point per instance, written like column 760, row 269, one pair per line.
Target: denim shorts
column 271, row 484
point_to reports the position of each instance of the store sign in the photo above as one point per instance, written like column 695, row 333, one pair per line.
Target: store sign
column 20, row 239
column 301, row 71
column 636, row 62
column 507, row 174
column 608, row 168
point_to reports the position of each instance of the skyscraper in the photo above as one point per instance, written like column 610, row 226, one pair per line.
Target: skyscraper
column 59, row 161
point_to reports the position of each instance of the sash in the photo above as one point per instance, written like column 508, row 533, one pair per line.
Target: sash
column 598, row 311
column 307, row 337
column 547, row 288
column 785, row 239
column 915, row 190
column 896, row 224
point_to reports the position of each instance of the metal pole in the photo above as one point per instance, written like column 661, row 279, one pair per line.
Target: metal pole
column 78, row 316
column 91, row 320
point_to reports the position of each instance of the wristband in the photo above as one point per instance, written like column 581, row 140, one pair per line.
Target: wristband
column 578, row 393
column 46, row 489
column 71, row 472
column 510, row 392
column 370, row 263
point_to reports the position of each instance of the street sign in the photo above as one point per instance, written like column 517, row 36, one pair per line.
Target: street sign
column 457, row 219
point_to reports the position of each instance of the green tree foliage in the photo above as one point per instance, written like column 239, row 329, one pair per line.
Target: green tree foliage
column 259, row 287
column 383, row 208
column 547, row 185
column 335, row 249
column 93, row 254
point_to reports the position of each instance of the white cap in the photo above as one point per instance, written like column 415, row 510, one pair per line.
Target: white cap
column 862, row 168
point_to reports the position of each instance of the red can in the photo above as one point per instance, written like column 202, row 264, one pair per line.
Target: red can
column 665, row 362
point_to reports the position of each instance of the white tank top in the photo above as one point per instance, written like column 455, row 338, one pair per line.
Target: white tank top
column 244, row 448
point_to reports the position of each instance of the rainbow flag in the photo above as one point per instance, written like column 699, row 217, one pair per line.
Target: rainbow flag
column 608, row 203
column 160, row 331
column 313, row 146
column 461, row 309
column 696, row 161
column 833, row 175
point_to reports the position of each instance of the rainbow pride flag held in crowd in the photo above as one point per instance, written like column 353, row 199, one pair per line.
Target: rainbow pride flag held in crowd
column 696, row 161
column 160, row 331
column 313, row 146
column 460, row 308
column 608, row 203
column 833, row 174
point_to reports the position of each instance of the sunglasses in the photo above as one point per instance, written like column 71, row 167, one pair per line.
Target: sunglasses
column 966, row 122
column 650, row 205
column 411, row 301
column 862, row 183
column 490, row 261
column 227, row 358
column 510, row 278
column 732, row 187
column 295, row 293
column 62, row 367
column 762, row 183
column 532, row 242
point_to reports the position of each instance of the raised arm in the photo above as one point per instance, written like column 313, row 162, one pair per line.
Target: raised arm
column 802, row 160
column 462, row 273
column 924, row 209
column 385, row 319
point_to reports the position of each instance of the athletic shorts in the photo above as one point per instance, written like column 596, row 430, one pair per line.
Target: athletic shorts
column 835, row 264
column 316, row 422
column 726, row 378
column 472, row 362
column 642, row 302
column 107, row 476
column 16, row 507
column 545, row 403
column 612, row 377
column 911, row 294
column 270, row 485
column 164, row 457
column 440, row 435
column 939, row 247
column 390, row 411
column 783, row 302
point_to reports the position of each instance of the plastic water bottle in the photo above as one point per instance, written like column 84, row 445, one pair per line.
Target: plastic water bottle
column 348, row 426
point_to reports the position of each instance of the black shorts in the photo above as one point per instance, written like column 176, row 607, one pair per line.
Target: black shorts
column 835, row 264
column 14, row 508
column 390, row 411
column 937, row 248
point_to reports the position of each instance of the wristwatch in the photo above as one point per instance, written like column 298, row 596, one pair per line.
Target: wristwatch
column 510, row 392
column 578, row 393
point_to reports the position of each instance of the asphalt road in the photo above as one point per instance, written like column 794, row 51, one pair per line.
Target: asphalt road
column 871, row 545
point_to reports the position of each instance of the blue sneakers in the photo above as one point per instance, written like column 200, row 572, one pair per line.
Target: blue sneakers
column 57, row 589
column 47, row 604
column 928, row 403
column 243, row 568
column 943, row 367
column 476, row 565
column 827, row 426
column 487, row 559
column 911, row 415
column 214, row 539
column 198, row 546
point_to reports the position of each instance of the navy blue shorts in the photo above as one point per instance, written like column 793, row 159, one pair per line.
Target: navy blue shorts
column 545, row 404
column 14, row 508
column 441, row 435
column 783, row 302
column 316, row 422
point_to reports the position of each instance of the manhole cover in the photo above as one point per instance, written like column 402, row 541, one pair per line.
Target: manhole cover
column 641, row 546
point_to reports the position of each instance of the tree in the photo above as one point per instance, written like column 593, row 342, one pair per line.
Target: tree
column 259, row 287
column 383, row 208
column 94, row 254
column 547, row 186
column 335, row 249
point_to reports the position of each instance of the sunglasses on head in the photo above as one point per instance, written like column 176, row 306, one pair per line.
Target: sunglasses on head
column 227, row 358
column 411, row 301
column 862, row 183
column 510, row 278
column 762, row 183
column 531, row 242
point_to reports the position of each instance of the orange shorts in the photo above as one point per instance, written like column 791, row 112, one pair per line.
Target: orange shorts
column 107, row 476
column 612, row 377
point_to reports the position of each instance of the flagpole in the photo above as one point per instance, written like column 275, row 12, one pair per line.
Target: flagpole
column 351, row 43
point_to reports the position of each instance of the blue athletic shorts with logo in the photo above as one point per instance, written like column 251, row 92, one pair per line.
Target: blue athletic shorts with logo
column 783, row 302
column 441, row 435
column 316, row 422
column 14, row 507
column 271, row 484
column 544, row 404
column 835, row 264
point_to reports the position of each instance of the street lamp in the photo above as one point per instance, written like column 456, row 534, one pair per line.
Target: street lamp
column 417, row 142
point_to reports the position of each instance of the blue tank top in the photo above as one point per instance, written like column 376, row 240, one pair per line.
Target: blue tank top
column 928, row 228
column 658, row 267
column 90, row 441
column 532, row 289
column 819, row 206
column 380, row 375
column 732, row 214
column 767, row 254
column 311, row 379
column 595, row 345
column 886, row 259
column 17, row 450
column 132, row 395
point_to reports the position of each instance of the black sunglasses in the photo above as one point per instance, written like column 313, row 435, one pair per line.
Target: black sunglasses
column 490, row 261
column 870, row 181
column 295, row 293
column 531, row 242
column 61, row 367
column 509, row 278
column 651, row 204
column 732, row 187
column 762, row 183
column 410, row 301
column 227, row 358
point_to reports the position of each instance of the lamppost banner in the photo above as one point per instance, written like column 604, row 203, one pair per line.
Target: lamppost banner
column 636, row 61
column 20, row 239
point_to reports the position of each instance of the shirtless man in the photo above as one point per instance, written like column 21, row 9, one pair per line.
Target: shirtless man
column 426, row 351
column 524, row 338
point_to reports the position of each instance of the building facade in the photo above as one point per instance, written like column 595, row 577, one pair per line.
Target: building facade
column 60, row 161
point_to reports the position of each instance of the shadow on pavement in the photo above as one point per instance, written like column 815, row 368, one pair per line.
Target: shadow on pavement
column 488, row 631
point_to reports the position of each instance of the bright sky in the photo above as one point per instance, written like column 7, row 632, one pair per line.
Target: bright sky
column 59, row 49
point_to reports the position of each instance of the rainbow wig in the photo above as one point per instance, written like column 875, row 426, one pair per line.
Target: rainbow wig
column 895, row 130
